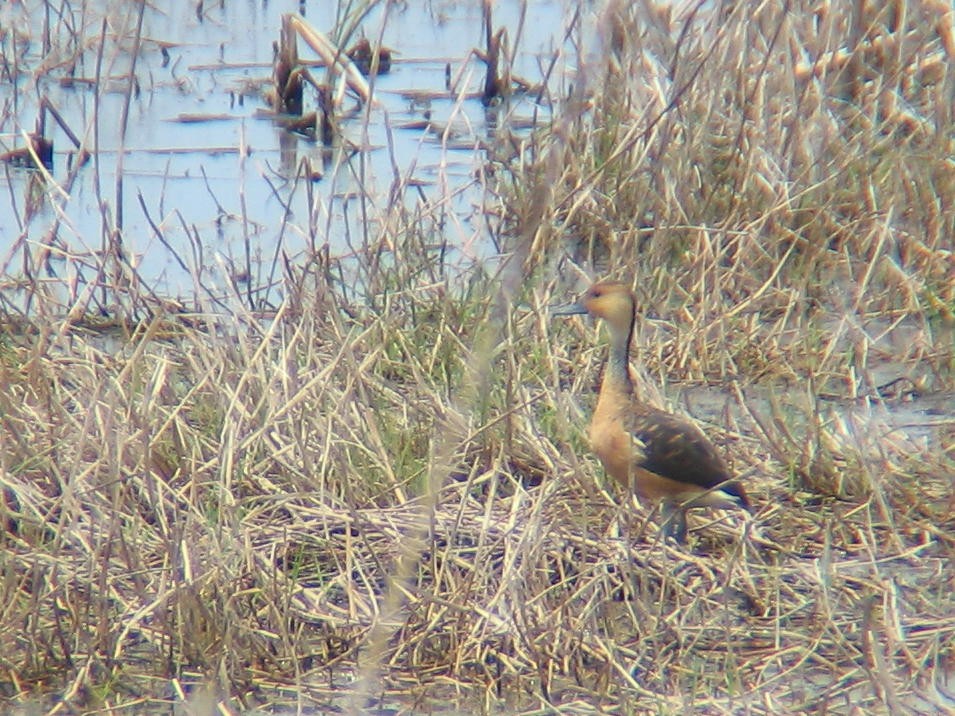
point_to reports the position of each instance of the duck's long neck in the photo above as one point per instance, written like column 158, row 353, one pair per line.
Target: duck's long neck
column 618, row 363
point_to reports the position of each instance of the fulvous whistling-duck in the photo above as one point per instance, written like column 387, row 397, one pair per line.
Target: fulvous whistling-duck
column 658, row 455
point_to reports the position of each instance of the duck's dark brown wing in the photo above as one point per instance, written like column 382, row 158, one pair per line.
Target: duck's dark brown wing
column 676, row 449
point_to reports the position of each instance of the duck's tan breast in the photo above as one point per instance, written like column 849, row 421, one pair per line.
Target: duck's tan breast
column 611, row 440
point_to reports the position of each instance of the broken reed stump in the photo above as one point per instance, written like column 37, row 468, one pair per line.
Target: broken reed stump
column 497, row 85
column 287, row 74
column 38, row 153
column 326, row 106
column 365, row 57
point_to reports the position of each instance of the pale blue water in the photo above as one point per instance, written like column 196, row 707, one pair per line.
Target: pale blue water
column 212, row 202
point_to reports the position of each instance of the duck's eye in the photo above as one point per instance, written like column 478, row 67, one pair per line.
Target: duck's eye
column 596, row 293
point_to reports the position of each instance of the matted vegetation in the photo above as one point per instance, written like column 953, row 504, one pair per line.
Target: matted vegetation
column 379, row 495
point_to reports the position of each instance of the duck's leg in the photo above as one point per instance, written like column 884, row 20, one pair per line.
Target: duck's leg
column 674, row 522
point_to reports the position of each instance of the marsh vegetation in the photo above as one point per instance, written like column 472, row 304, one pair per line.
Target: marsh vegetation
column 365, row 484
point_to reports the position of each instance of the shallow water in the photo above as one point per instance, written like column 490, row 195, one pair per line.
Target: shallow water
column 223, row 192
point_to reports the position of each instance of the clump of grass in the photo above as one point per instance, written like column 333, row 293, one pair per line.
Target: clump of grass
column 378, row 493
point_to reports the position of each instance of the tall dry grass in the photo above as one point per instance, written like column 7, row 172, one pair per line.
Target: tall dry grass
column 379, row 496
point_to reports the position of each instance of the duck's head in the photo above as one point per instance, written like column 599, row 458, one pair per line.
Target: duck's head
column 610, row 300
